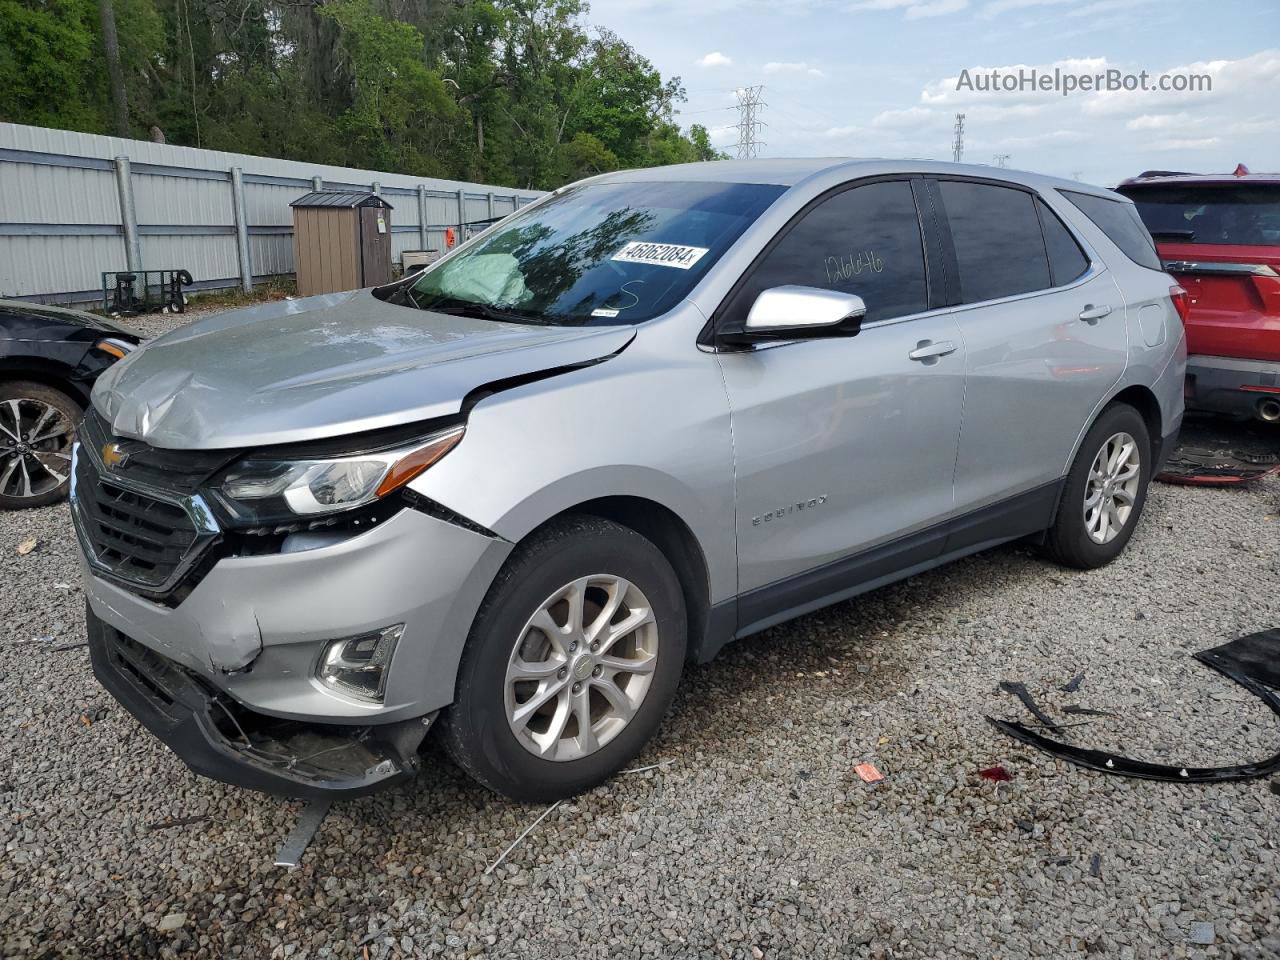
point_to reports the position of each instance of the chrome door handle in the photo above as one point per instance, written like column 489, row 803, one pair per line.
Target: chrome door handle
column 1092, row 314
column 927, row 350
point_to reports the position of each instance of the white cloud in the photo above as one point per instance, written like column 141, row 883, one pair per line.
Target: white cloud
column 1044, row 130
column 997, row 7
column 918, row 9
column 883, row 4
column 774, row 67
column 913, row 9
column 1160, row 121
column 835, row 133
column 1046, row 138
column 1107, row 6
column 715, row 59
column 1255, row 78
column 936, row 8
column 723, row 136
column 1196, row 143
column 910, row 118
column 947, row 92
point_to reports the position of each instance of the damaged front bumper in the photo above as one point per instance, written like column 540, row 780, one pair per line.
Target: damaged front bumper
column 220, row 738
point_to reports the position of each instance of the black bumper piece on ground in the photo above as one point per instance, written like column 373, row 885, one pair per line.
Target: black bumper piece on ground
column 219, row 738
column 1252, row 661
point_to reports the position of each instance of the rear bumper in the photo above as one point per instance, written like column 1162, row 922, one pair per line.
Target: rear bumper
column 1231, row 386
column 221, row 739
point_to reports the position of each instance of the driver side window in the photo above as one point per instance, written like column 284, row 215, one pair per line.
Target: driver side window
column 865, row 240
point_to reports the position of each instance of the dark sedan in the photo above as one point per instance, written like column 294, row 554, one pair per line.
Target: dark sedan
column 49, row 360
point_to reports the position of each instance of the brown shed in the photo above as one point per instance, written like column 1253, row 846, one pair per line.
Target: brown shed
column 341, row 241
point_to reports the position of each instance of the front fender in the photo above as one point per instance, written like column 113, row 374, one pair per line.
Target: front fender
column 639, row 425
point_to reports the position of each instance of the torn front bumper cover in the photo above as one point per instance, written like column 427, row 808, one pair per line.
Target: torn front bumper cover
column 219, row 738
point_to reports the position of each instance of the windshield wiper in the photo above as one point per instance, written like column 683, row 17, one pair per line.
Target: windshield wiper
column 480, row 311
column 1174, row 234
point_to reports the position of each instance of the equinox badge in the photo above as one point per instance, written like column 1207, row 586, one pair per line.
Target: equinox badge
column 789, row 509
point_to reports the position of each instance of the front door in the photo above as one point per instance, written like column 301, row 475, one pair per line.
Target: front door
column 846, row 443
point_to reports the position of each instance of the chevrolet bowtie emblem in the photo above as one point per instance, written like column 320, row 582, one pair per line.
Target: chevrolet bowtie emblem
column 114, row 456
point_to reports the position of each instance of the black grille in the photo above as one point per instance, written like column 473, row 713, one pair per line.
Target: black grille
column 139, row 537
column 136, row 537
column 180, row 471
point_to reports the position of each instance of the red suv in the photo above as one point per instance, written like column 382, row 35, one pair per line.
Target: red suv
column 1219, row 235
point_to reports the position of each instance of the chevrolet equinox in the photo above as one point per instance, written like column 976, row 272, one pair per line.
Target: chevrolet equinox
column 504, row 500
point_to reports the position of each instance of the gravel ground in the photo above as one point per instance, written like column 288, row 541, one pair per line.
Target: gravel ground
column 754, row 838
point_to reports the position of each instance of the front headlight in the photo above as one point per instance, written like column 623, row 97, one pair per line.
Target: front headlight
column 275, row 490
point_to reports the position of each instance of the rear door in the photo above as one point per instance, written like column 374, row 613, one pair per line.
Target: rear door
column 1045, row 338
column 1222, row 243
column 843, row 444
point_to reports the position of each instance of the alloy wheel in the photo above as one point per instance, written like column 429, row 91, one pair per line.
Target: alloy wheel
column 1112, row 488
column 35, row 447
column 581, row 667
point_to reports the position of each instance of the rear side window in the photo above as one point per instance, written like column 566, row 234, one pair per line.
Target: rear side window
column 1066, row 260
column 865, row 240
column 1120, row 222
column 1212, row 214
column 999, row 247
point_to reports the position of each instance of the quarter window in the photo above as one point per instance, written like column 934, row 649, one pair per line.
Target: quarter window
column 999, row 247
column 1119, row 220
column 1066, row 260
column 865, row 241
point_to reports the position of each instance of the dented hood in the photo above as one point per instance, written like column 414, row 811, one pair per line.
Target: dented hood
column 323, row 366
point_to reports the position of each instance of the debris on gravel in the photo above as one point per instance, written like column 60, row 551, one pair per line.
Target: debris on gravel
column 744, row 830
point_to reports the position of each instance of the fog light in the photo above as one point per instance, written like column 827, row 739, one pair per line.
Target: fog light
column 357, row 666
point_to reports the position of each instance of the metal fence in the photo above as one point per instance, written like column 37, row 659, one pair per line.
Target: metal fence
column 73, row 205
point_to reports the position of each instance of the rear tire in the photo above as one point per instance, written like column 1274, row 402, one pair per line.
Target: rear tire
column 1105, row 491
column 38, row 426
column 615, row 662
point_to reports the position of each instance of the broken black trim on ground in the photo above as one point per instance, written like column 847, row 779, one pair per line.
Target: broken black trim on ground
column 1252, row 661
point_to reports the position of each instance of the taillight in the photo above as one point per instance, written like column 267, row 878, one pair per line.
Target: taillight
column 1181, row 302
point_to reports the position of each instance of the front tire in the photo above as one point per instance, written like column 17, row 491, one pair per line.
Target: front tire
column 37, row 429
column 1105, row 491
column 571, row 664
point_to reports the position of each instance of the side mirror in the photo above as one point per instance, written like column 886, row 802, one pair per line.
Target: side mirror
column 796, row 313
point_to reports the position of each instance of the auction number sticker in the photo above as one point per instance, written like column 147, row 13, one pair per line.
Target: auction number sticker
column 660, row 254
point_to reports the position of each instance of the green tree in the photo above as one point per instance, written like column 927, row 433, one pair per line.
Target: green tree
column 518, row 92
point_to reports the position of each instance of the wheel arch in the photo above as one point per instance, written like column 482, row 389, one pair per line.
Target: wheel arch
column 49, row 373
column 663, row 527
column 1142, row 399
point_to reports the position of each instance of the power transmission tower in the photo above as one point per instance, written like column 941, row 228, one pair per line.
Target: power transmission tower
column 1001, row 159
column 957, row 147
column 749, row 123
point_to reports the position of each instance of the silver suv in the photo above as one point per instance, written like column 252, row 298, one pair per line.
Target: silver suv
column 656, row 411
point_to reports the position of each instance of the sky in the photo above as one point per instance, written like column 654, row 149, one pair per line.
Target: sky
column 879, row 78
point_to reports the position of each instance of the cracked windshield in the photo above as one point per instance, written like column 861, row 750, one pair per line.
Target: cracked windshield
column 604, row 254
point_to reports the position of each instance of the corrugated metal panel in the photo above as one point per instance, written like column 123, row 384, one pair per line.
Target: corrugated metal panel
column 184, row 208
column 477, row 209
column 271, row 255
column 30, row 193
column 31, row 266
column 441, row 211
column 268, row 205
column 207, row 258
column 177, row 200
